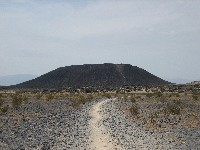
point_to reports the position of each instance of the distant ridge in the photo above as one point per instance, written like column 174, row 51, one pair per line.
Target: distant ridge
column 97, row 75
column 15, row 79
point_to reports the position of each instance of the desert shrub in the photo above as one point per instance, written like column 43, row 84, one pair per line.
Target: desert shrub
column 134, row 110
column 17, row 100
column 49, row 97
column 195, row 92
column 179, row 103
column 153, row 116
column 66, row 96
column 195, row 97
column 158, row 94
column 174, row 95
column 138, row 97
column 125, row 97
column 4, row 109
column 38, row 96
column 25, row 98
column 75, row 102
column 173, row 109
column 1, row 101
column 107, row 95
column 89, row 97
column 177, row 95
column 119, row 96
column 114, row 95
column 82, row 99
column 149, row 95
column 162, row 99
column 132, row 99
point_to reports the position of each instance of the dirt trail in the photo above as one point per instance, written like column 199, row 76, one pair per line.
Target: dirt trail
column 100, row 138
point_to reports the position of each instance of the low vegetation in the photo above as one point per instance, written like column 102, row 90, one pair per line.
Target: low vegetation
column 1, row 100
column 137, row 97
column 162, row 110
column 18, row 100
column 134, row 110
column 153, row 117
column 132, row 99
column 152, row 107
column 172, row 95
column 4, row 109
column 80, row 99
column 172, row 109
column 49, row 97
column 163, row 99
column 38, row 96
column 107, row 95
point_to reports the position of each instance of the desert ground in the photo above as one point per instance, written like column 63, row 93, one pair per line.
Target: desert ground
column 99, row 121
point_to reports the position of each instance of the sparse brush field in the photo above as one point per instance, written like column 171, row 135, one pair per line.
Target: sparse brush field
column 10, row 102
column 151, row 109
column 169, row 109
column 173, row 115
column 157, row 112
column 163, row 110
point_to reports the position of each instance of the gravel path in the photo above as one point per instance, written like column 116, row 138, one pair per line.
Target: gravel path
column 100, row 138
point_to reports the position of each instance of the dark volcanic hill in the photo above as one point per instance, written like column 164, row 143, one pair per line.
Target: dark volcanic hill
column 98, row 75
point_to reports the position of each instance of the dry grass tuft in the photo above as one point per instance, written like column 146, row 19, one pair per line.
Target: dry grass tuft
column 134, row 110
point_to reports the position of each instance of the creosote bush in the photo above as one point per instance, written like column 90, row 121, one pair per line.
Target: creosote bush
column 17, row 100
column 153, row 117
column 125, row 97
column 134, row 110
column 132, row 99
column 80, row 99
column 4, row 109
column 49, row 97
column 75, row 102
column 158, row 94
column 174, row 95
column 1, row 101
column 137, row 97
column 195, row 92
column 195, row 97
column 173, row 109
column 25, row 98
column 84, row 98
column 38, row 96
column 89, row 97
column 149, row 95
column 107, row 95
column 162, row 99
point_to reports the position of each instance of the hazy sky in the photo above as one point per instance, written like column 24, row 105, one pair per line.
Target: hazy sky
column 162, row 37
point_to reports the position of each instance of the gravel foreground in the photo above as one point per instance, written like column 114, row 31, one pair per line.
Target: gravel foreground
column 132, row 135
column 56, row 125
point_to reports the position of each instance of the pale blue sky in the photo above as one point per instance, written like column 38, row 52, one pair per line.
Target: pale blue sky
column 162, row 37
